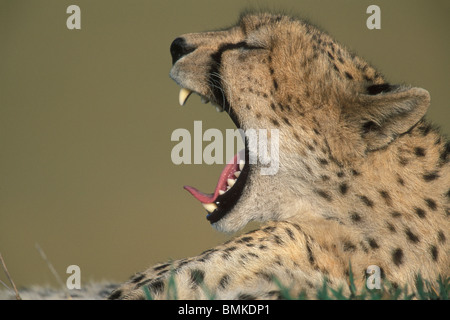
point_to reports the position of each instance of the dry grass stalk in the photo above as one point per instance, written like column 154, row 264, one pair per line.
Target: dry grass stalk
column 10, row 278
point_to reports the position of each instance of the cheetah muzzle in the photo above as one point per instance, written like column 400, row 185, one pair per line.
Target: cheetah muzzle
column 363, row 178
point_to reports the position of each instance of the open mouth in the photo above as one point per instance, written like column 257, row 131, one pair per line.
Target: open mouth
column 231, row 181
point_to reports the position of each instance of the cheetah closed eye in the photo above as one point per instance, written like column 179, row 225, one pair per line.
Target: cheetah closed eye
column 363, row 177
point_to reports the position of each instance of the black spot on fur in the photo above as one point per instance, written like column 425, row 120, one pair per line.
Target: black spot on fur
column 230, row 249
column 330, row 55
column 420, row 152
column 396, row 214
column 441, row 236
column 245, row 239
column 323, row 162
column 197, row 276
column 278, row 240
column 269, row 229
column 397, row 256
column 290, row 233
column 411, row 236
column 265, row 276
column 275, row 84
column 226, row 256
column 348, row 75
column 182, row 263
column 343, row 188
column 246, row 296
column 310, row 254
column 137, row 278
column 386, row 196
column 424, row 129
column 366, row 201
column 434, row 252
column 115, row 295
column 324, row 194
column 420, row 212
column 431, row 203
column 445, row 152
column 355, row 173
column 372, row 243
column 348, row 246
column 275, row 122
column 401, row 181
column 161, row 267
column 224, row 281
column 391, row 227
column 430, row 176
column 286, row 120
column 336, row 68
column 156, row 287
column 162, row 272
column 253, row 255
column 355, row 217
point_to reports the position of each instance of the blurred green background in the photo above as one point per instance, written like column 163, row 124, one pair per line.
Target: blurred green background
column 86, row 118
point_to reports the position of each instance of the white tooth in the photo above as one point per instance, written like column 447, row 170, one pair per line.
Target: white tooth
column 184, row 94
column 237, row 173
column 241, row 164
column 221, row 192
column 210, row 207
column 204, row 100
column 231, row 182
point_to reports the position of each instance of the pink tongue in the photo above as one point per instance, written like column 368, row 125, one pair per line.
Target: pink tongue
column 227, row 173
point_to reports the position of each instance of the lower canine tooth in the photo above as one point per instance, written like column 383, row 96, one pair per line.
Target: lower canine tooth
column 221, row 192
column 184, row 94
column 210, row 207
column 231, row 182
column 237, row 173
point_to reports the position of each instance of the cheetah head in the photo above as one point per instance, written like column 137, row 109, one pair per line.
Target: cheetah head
column 330, row 108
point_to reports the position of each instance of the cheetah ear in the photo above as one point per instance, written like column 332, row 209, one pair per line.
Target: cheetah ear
column 388, row 111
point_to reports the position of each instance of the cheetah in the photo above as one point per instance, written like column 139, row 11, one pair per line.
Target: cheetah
column 363, row 178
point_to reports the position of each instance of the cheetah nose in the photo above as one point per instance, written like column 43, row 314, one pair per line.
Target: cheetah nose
column 180, row 48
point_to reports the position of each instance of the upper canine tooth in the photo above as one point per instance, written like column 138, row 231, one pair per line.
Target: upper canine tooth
column 184, row 94
column 237, row 173
column 221, row 192
column 210, row 207
column 241, row 164
column 231, row 182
